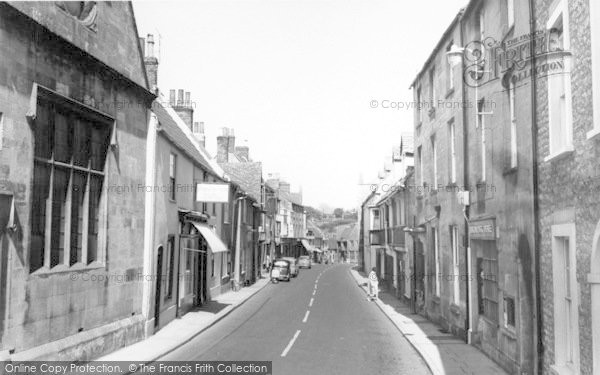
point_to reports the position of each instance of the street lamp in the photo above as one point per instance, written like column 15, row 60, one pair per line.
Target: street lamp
column 455, row 55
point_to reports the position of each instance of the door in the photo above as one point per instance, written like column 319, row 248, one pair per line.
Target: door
column 157, row 296
column 419, row 276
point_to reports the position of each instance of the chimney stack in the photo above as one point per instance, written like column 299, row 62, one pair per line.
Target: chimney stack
column 198, row 132
column 223, row 146
column 183, row 106
column 284, row 186
column 231, row 141
column 151, row 62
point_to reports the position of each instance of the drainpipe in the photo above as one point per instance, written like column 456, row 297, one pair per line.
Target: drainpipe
column 467, row 242
column 536, row 230
column 149, row 216
column 238, row 246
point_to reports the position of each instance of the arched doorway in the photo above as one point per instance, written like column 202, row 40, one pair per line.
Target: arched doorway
column 594, row 281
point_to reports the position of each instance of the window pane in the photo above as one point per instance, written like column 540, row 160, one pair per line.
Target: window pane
column 93, row 217
column 81, row 143
column 59, row 199
column 98, row 146
column 62, row 138
column 41, row 189
column 78, row 186
column 44, row 132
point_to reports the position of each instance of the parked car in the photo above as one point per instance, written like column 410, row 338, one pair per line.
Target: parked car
column 304, row 262
column 280, row 271
column 294, row 269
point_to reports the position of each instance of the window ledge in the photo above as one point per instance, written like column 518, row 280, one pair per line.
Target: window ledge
column 509, row 332
column 562, row 370
column 593, row 134
column 560, row 154
column 61, row 268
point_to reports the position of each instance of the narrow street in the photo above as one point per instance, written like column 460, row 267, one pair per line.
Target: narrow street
column 319, row 323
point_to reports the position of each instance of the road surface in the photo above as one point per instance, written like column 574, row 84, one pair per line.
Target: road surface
column 319, row 323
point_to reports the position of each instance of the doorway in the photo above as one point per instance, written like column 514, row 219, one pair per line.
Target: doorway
column 157, row 294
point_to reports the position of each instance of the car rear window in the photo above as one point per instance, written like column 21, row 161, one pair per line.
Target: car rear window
column 281, row 263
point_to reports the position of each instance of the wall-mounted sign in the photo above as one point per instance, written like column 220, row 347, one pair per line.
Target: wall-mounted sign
column 483, row 230
column 218, row 193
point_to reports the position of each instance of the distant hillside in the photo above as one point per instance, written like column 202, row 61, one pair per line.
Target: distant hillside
column 329, row 226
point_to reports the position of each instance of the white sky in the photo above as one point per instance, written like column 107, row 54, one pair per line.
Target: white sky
column 295, row 79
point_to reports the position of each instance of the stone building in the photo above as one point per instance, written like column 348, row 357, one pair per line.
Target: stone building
column 474, row 149
column 74, row 113
column 245, row 209
column 567, row 111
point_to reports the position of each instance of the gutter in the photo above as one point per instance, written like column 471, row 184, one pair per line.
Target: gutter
column 536, row 231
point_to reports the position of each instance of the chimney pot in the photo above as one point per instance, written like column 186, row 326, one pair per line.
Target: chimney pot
column 150, row 49
column 179, row 97
column 187, row 99
column 172, row 98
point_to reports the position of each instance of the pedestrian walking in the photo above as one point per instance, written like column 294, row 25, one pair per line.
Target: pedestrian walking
column 373, row 284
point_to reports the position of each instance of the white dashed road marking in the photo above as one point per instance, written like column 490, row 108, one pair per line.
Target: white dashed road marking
column 311, row 302
column 306, row 316
column 289, row 346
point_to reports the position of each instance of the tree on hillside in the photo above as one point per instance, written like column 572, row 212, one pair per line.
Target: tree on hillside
column 338, row 212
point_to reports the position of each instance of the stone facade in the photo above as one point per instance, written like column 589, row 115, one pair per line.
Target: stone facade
column 68, row 302
column 568, row 186
column 491, row 253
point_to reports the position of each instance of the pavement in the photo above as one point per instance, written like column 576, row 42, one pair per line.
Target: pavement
column 318, row 323
column 443, row 352
column 182, row 330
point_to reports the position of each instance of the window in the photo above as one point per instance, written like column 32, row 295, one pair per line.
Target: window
column 434, row 161
column 451, row 129
column 204, row 180
column 1, row 130
column 432, row 87
column 171, row 265
column 481, row 25
column 481, row 126
column 172, row 174
column 225, row 212
column 559, row 84
column 566, row 319
column 513, row 126
column 595, row 47
column 212, row 264
column 488, row 276
column 509, row 312
column 420, row 161
column 436, row 259
column 419, row 106
column 510, row 10
column 375, row 223
column 69, row 158
column 450, row 70
column 455, row 263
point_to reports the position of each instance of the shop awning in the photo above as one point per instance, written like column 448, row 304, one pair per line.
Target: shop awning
column 309, row 247
column 214, row 242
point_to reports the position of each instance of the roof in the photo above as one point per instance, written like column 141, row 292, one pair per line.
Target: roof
column 350, row 233
column 248, row 176
column 178, row 133
column 317, row 232
column 438, row 45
